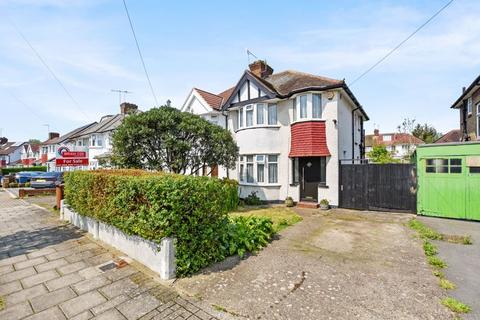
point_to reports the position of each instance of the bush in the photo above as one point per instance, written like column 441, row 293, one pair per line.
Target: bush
column 27, row 184
column 5, row 171
column 252, row 199
column 248, row 234
column 157, row 205
column 13, row 185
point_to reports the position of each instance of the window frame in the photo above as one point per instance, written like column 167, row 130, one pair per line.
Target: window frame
column 272, row 106
column 258, row 112
column 303, row 109
column 249, row 109
column 469, row 106
column 254, row 161
column 320, row 111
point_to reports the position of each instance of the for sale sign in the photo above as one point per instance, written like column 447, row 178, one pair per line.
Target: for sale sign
column 70, row 158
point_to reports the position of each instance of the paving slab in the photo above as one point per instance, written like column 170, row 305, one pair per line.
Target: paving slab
column 138, row 306
column 26, row 294
column 50, row 299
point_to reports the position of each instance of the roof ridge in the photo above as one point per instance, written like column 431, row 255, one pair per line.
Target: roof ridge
column 308, row 74
column 207, row 92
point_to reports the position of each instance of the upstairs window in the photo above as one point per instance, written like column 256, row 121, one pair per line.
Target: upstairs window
column 240, row 118
column 303, row 106
column 249, row 116
column 272, row 114
column 316, row 106
column 469, row 105
column 260, row 113
column 250, row 178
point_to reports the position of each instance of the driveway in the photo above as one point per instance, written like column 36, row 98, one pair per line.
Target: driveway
column 50, row 270
column 463, row 260
column 339, row 265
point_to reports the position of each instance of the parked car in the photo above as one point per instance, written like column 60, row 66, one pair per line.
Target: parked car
column 26, row 176
column 47, row 180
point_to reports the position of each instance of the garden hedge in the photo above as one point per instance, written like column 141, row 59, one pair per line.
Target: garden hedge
column 5, row 171
column 157, row 205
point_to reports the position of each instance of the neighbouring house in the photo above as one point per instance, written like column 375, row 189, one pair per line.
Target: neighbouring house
column 11, row 153
column 454, row 135
column 292, row 130
column 30, row 154
column 469, row 106
column 401, row 145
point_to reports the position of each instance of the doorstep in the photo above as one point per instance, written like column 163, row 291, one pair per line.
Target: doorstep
column 307, row 204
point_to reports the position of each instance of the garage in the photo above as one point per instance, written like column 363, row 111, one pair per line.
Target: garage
column 449, row 180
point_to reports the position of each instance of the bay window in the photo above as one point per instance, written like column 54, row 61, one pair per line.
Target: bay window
column 240, row 118
column 303, row 106
column 260, row 113
column 249, row 115
column 258, row 168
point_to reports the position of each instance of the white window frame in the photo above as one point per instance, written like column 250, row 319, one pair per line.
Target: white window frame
column 260, row 110
column 320, row 111
column 240, row 117
column 301, row 114
column 249, row 109
column 469, row 106
column 263, row 160
column 272, row 106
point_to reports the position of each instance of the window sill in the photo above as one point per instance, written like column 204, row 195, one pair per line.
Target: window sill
column 246, row 184
column 323, row 186
column 308, row 120
column 276, row 126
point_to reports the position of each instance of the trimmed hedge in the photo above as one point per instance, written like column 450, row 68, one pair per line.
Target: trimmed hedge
column 5, row 171
column 157, row 205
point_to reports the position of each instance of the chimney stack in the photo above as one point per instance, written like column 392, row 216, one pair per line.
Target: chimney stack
column 128, row 108
column 376, row 132
column 464, row 89
column 260, row 68
column 52, row 135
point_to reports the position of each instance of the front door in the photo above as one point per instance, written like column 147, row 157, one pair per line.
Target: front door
column 310, row 177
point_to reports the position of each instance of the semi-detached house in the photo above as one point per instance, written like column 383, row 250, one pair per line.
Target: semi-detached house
column 292, row 129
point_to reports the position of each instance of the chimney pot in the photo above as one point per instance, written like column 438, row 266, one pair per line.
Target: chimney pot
column 376, row 132
column 128, row 108
column 464, row 89
column 260, row 68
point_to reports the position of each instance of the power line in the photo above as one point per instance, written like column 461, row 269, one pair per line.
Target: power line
column 140, row 53
column 26, row 106
column 401, row 43
column 48, row 68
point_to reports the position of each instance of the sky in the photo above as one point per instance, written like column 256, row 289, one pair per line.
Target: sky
column 89, row 46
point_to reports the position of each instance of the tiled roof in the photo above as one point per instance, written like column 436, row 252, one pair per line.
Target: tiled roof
column 213, row 100
column 396, row 138
column 67, row 136
column 107, row 123
column 9, row 147
column 309, row 139
column 451, row 136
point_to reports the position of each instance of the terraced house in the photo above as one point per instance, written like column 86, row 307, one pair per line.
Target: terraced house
column 292, row 129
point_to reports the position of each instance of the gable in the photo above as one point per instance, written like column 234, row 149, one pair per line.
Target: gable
column 195, row 105
column 248, row 90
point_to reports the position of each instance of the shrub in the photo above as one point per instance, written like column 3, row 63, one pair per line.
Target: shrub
column 5, row 171
column 248, row 234
column 13, row 185
column 157, row 205
column 27, row 184
column 252, row 199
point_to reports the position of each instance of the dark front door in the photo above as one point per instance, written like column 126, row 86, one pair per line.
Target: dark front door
column 310, row 177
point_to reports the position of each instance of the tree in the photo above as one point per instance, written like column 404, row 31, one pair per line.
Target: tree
column 34, row 141
column 380, row 154
column 426, row 133
column 167, row 139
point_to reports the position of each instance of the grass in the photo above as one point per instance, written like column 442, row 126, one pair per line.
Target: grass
column 436, row 262
column 455, row 305
column 429, row 248
column 282, row 217
column 2, row 303
column 466, row 240
column 447, row 285
column 424, row 231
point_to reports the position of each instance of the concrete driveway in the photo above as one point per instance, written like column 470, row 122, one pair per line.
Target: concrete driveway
column 463, row 260
column 340, row 265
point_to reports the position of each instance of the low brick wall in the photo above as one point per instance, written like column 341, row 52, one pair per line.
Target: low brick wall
column 158, row 257
column 22, row 193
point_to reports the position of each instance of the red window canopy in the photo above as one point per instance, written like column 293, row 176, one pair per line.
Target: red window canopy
column 309, row 139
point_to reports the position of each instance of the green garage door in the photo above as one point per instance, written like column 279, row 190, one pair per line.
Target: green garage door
column 448, row 184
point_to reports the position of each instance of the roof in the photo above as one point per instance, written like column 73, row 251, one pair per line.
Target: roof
column 397, row 138
column 213, row 100
column 68, row 135
column 472, row 87
column 309, row 140
column 35, row 147
column 454, row 135
column 107, row 123
column 9, row 147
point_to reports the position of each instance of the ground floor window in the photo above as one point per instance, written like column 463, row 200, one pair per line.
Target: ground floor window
column 258, row 168
column 309, row 168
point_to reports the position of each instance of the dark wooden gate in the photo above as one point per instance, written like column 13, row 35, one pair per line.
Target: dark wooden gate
column 378, row 187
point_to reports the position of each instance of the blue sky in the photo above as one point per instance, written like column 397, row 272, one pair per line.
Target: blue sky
column 90, row 47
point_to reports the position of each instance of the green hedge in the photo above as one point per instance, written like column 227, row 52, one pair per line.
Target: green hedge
column 153, row 206
column 5, row 171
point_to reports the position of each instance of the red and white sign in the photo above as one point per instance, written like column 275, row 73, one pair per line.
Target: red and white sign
column 71, row 162
column 67, row 158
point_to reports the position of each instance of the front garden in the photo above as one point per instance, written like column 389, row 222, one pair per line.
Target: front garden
column 154, row 205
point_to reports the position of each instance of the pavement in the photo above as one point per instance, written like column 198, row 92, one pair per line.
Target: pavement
column 51, row 270
column 463, row 260
column 341, row 264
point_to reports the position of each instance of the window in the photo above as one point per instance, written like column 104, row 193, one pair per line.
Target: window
column 214, row 118
column 455, row 165
column 272, row 114
column 260, row 113
column 295, row 171
column 387, row 137
column 99, row 142
column 250, row 169
column 260, row 168
column 240, row 117
column 294, row 109
column 317, row 106
column 303, row 106
column 469, row 105
column 474, row 169
column 272, row 169
column 436, row 166
column 478, row 121
column 249, row 116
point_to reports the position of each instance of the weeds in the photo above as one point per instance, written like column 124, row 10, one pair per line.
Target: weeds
column 424, row 231
column 429, row 248
column 2, row 303
column 439, row 274
column 447, row 285
column 436, row 262
column 455, row 305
